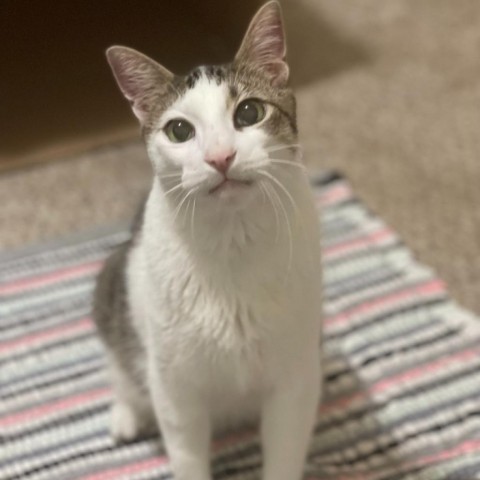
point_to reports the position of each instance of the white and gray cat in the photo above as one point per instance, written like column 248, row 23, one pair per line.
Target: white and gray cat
column 210, row 315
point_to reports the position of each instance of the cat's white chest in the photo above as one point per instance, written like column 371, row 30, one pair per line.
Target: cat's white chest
column 221, row 325
column 213, row 333
column 217, row 337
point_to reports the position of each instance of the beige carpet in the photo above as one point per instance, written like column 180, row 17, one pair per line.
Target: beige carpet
column 391, row 96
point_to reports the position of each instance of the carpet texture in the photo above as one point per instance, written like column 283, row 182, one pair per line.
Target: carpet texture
column 402, row 390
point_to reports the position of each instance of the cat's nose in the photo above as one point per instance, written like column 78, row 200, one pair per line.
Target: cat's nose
column 221, row 162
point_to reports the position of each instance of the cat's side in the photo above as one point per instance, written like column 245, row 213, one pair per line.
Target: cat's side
column 210, row 315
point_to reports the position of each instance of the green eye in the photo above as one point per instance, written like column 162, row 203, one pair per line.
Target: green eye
column 179, row 130
column 248, row 113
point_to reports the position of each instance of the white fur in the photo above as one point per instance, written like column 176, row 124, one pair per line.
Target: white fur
column 226, row 293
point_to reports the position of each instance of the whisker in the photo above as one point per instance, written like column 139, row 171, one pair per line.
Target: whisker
column 185, row 212
column 289, row 163
column 176, row 187
column 265, row 191
column 275, row 148
column 177, row 210
column 192, row 219
column 289, row 228
column 264, row 197
column 178, row 196
column 280, row 184
column 278, row 160
column 170, row 175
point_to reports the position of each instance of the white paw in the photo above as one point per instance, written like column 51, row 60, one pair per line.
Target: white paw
column 124, row 425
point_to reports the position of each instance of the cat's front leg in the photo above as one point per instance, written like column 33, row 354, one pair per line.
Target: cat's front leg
column 288, row 416
column 185, row 425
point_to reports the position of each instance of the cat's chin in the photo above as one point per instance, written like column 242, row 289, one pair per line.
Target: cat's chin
column 230, row 193
column 229, row 187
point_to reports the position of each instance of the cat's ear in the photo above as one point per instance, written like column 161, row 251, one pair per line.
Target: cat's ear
column 264, row 44
column 140, row 78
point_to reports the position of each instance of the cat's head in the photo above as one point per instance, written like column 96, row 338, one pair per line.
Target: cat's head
column 220, row 132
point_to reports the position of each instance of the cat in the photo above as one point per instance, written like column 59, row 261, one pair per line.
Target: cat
column 211, row 314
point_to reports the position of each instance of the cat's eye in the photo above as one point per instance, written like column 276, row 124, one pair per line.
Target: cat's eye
column 249, row 112
column 179, row 130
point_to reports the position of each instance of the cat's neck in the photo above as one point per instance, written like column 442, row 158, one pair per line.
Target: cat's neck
column 225, row 235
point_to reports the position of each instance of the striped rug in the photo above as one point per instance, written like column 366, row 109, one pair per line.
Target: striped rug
column 402, row 366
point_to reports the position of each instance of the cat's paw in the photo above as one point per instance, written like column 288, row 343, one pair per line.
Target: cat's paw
column 128, row 423
column 125, row 425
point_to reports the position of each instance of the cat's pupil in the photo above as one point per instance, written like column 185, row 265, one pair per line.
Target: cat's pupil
column 248, row 113
column 179, row 130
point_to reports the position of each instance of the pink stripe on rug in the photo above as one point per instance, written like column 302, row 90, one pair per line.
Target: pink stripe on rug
column 83, row 325
column 465, row 448
column 426, row 369
column 146, row 465
column 49, row 278
column 335, row 195
column 427, row 288
column 343, row 402
column 67, row 403
column 372, row 238
column 129, row 469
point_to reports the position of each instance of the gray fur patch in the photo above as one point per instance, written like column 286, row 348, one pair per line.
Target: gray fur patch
column 111, row 311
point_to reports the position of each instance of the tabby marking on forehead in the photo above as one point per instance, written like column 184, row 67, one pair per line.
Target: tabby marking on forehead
column 192, row 78
column 216, row 73
column 233, row 91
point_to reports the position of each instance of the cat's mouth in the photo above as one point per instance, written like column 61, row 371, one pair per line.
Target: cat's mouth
column 229, row 183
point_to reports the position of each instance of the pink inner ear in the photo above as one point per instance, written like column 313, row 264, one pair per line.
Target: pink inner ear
column 138, row 77
column 264, row 44
column 124, row 70
column 268, row 39
column 128, row 84
column 121, row 67
column 134, row 75
column 279, row 72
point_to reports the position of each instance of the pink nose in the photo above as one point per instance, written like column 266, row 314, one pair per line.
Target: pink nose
column 221, row 162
